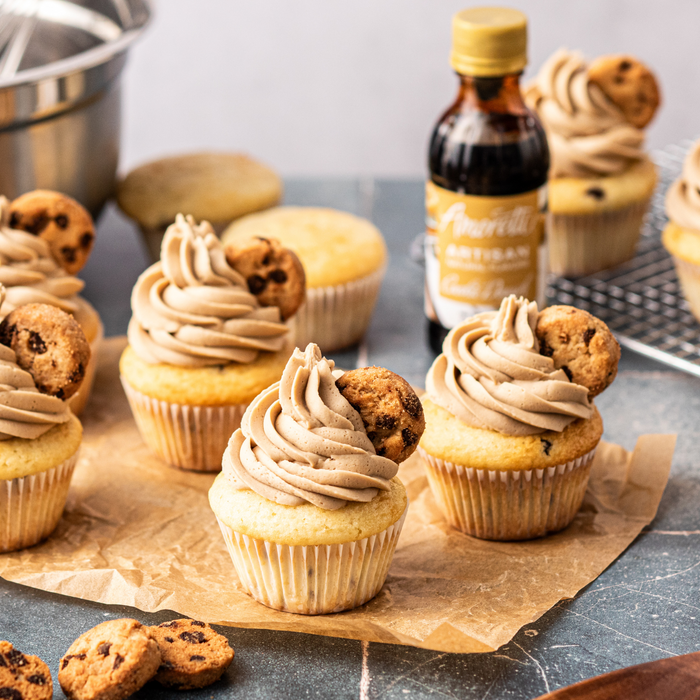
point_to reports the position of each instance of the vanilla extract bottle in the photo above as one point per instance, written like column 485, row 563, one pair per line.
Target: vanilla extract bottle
column 488, row 163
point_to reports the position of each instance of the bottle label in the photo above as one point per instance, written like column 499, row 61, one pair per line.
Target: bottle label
column 479, row 250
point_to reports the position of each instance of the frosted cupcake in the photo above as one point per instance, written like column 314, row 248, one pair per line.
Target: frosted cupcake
column 31, row 274
column 511, row 430
column 344, row 258
column 310, row 511
column 601, row 179
column 41, row 355
column 681, row 237
column 200, row 349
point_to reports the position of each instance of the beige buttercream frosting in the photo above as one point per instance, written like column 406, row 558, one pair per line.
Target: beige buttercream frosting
column 29, row 272
column 300, row 441
column 193, row 309
column 588, row 135
column 24, row 411
column 491, row 375
column 683, row 197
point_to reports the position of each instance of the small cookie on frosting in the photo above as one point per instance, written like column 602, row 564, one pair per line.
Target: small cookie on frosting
column 23, row 677
column 61, row 221
column 629, row 84
column 274, row 274
column 50, row 345
column 390, row 409
column 580, row 344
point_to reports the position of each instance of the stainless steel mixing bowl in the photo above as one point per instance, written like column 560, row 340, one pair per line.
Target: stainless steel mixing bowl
column 60, row 66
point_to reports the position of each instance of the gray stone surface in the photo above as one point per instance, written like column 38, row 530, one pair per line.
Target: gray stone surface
column 644, row 607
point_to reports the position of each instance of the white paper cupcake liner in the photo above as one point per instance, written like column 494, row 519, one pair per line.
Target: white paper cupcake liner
column 689, row 277
column 77, row 402
column 508, row 504
column 31, row 506
column 338, row 316
column 313, row 579
column 188, row 437
column 581, row 244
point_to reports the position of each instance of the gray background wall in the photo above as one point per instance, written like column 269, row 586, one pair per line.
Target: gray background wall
column 323, row 87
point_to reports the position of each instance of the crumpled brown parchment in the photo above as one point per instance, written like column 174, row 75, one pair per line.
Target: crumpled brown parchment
column 136, row 532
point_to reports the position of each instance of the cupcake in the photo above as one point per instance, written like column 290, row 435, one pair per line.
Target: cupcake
column 216, row 187
column 43, row 355
column 45, row 239
column 511, row 429
column 308, row 501
column 681, row 237
column 201, row 347
column 344, row 258
column 601, row 179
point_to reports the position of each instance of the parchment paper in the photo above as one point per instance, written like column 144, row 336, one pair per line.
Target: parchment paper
column 139, row 533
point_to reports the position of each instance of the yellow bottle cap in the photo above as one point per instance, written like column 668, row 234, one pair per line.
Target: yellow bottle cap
column 489, row 41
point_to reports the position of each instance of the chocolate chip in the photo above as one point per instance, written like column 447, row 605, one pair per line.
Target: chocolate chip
column 86, row 239
column 10, row 694
column 40, row 222
column 193, row 637
column 118, row 661
column 61, row 221
column 14, row 219
column 588, row 334
column 568, row 373
column 36, row 343
column 267, row 259
column 66, row 659
column 381, row 451
column 546, row 445
column 596, row 192
column 196, row 657
column 409, row 437
column 278, row 276
column 412, row 405
column 618, row 80
column 172, row 623
column 197, row 623
column 170, row 640
column 37, row 679
column 104, row 648
column 545, row 349
column 68, row 253
column 386, row 422
column 625, row 65
column 2, row 660
column 166, row 666
column 256, row 284
column 16, row 658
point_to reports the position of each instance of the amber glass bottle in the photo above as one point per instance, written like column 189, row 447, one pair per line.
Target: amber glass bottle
column 488, row 162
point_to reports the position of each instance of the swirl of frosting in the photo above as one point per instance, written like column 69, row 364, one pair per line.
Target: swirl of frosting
column 491, row 375
column 194, row 310
column 588, row 135
column 683, row 197
column 300, row 441
column 29, row 272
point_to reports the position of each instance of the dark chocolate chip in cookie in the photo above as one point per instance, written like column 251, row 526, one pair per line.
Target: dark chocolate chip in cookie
column 391, row 411
column 23, row 677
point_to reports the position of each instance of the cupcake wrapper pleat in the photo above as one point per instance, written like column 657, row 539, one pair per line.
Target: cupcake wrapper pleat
column 689, row 277
column 188, row 437
column 508, row 504
column 313, row 579
column 338, row 316
column 31, row 506
column 581, row 244
column 77, row 402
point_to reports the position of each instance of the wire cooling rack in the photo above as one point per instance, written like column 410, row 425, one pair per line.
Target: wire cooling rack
column 641, row 300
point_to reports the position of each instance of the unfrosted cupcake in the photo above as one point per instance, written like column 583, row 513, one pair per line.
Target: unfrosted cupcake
column 601, row 179
column 200, row 348
column 511, row 430
column 344, row 258
column 41, row 357
column 31, row 273
column 681, row 237
column 309, row 509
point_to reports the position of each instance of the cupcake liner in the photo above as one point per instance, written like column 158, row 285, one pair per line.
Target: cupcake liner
column 338, row 316
column 77, row 402
column 313, row 579
column 31, row 506
column 581, row 244
column 508, row 504
column 188, row 437
column 689, row 277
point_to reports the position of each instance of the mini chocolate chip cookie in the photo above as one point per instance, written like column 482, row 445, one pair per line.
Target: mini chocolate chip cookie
column 50, row 345
column 629, row 84
column 580, row 344
column 193, row 654
column 390, row 410
column 109, row 662
column 23, row 677
column 274, row 274
column 61, row 221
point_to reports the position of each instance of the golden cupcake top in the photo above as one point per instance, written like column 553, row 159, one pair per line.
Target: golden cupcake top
column 683, row 197
column 592, row 127
column 192, row 309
